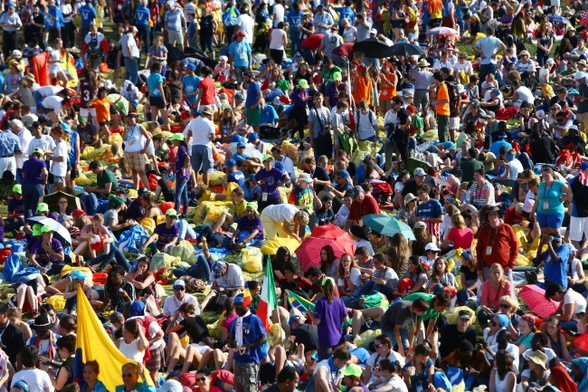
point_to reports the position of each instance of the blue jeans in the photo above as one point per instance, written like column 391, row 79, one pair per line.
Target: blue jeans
column 486, row 69
column 181, row 196
column 186, row 231
column 295, row 42
column 132, row 66
column 370, row 286
column 403, row 336
column 90, row 202
column 115, row 255
column 199, row 270
column 144, row 33
column 31, row 195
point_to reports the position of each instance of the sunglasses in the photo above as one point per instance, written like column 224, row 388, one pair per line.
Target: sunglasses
column 377, row 346
column 127, row 375
column 201, row 379
column 179, row 288
column 505, row 306
column 63, row 202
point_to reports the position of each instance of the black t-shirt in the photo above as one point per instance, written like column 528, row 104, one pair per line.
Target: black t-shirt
column 402, row 117
column 195, row 327
column 294, row 287
column 14, row 340
column 399, row 312
column 580, row 198
column 306, row 334
column 320, row 174
column 542, row 149
column 470, row 276
column 68, row 365
column 135, row 211
column 450, row 338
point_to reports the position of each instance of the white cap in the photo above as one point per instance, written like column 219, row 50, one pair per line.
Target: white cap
column 419, row 171
column 306, row 178
column 531, row 68
column 579, row 75
column 373, row 31
column 433, row 247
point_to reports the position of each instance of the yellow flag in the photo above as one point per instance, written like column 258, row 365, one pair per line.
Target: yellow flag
column 94, row 343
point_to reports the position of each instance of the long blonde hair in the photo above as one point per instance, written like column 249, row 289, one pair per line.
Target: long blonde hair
column 497, row 266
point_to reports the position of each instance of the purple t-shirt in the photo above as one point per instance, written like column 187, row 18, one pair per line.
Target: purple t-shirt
column 165, row 234
column 272, row 178
column 246, row 224
column 180, row 158
column 32, row 170
column 331, row 316
column 16, row 206
column 43, row 258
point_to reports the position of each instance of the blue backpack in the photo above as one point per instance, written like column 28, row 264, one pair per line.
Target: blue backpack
column 229, row 17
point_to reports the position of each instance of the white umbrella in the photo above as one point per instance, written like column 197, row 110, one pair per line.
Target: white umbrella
column 249, row 151
column 59, row 231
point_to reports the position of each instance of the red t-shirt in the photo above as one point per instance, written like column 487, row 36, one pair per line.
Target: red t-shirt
column 208, row 89
column 359, row 210
column 461, row 238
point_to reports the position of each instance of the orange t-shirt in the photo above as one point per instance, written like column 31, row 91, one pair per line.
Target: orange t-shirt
column 442, row 95
column 387, row 92
column 102, row 109
column 361, row 88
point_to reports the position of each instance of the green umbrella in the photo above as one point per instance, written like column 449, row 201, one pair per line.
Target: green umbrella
column 388, row 226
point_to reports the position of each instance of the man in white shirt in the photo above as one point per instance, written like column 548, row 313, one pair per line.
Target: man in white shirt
column 278, row 13
column 201, row 132
column 245, row 24
column 225, row 277
column 131, row 54
column 279, row 156
column 25, row 137
column 173, row 302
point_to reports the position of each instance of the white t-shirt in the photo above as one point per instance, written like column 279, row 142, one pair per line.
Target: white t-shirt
column 349, row 34
column 547, row 351
column 278, row 14
column 572, row 296
column 232, row 278
column 171, row 304
column 46, row 143
column 280, row 213
column 367, row 244
column 66, row 9
column 525, row 95
column 245, row 24
column 53, row 102
column 366, row 124
column 202, row 129
column 59, row 169
column 354, row 275
column 37, row 380
column 25, row 138
column 512, row 350
column 277, row 39
column 47, row 91
column 393, row 356
column 190, row 11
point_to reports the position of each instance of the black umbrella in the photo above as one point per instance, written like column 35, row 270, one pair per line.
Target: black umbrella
column 52, row 201
column 372, row 48
column 174, row 53
column 403, row 49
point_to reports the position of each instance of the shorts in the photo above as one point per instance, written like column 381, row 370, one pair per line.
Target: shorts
column 253, row 117
column 550, row 221
column 175, row 37
column 156, row 102
column 202, row 159
column 104, row 124
column 156, row 361
column 578, row 228
column 45, row 110
column 58, row 180
column 454, row 123
column 136, row 161
column 84, row 112
column 55, row 68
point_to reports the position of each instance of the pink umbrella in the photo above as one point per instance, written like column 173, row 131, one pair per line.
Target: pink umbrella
column 534, row 297
column 330, row 231
column 313, row 42
column 309, row 252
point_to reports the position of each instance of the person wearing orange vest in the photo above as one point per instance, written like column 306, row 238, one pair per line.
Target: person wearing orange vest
column 442, row 107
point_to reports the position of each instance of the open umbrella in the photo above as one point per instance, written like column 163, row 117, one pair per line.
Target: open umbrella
column 59, row 231
column 534, row 297
column 345, row 50
column 403, row 49
column 330, row 232
column 249, row 151
column 52, row 201
column 313, row 42
column 559, row 19
column 388, row 226
column 441, row 30
column 372, row 48
column 309, row 252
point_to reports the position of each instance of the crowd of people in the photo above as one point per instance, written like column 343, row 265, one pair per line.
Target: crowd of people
column 473, row 148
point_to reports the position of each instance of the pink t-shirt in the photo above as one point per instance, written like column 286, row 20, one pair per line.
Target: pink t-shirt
column 490, row 297
column 227, row 322
column 461, row 238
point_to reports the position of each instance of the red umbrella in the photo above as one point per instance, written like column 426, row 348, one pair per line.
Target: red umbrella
column 534, row 297
column 309, row 252
column 313, row 42
column 330, row 232
column 345, row 50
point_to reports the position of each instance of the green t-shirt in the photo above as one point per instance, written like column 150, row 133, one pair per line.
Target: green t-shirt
column 429, row 298
column 106, row 177
column 327, row 75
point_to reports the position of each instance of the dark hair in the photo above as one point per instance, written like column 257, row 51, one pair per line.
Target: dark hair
column 290, row 266
column 94, row 365
column 68, row 342
column 132, row 326
column 552, row 289
column 67, row 322
column 342, row 354
column 253, row 284
column 443, row 299
column 465, row 346
column 314, row 271
column 29, row 356
column 438, row 75
column 94, row 165
column 288, row 373
column 205, row 371
column 205, row 71
column 422, row 349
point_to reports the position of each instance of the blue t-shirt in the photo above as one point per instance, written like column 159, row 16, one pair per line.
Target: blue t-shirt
column 190, row 84
column 253, row 92
column 294, row 20
column 496, row 146
column 142, row 15
column 153, row 84
column 268, row 115
column 252, row 330
column 240, row 157
column 88, row 13
column 346, row 12
column 429, row 210
column 555, row 272
column 237, row 177
column 240, row 52
column 550, row 198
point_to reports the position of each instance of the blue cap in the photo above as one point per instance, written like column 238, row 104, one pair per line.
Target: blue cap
column 252, row 137
column 293, row 318
column 230, row 163
column 495, row 91
column 22, row 385
column 78, row 275
column 448, row 145
column 344, row 173
column 241, row 145
column 252, row 177
column 315, row 356
column 136, row 309
column 279, row 166
column 584, row 166
column 190, row 66
column 238, row 300
column 11, row 4
column 65, row 127
column 503, row 320
column 502, row 136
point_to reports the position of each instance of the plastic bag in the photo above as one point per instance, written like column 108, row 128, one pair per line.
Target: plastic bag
column 451, row 314
column 271, row 247
column 251, row 260
column 364, row 339
column 162, row 260
column 185, row 251
column 131, row 240
column 83, row 180
column 12, row 265
column 148, row 224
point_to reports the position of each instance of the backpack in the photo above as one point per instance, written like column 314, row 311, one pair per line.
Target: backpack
column 229, row 17
column 453, row 99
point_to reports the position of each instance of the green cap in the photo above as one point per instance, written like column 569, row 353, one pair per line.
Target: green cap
column 46, row 229
column 337, row 76
column 83, row 119
column 17, row 189
column 303, row 83
column 171, row 212
column 253, row 206
column 352, row 370
column 37, row 229
column 267, row 157
column 117, row 201
column 42, row 207
column 39, row 151
column 176, row 136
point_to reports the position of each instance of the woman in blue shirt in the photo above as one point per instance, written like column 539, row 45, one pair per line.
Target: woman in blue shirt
column 157, row 101
column 549, row 207
column 421, row 370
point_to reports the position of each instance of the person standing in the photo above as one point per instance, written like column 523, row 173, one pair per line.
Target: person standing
column 442, row 107
column 579, row 217
column 25, row 137
column 10, row 23
column 136, row 139
column 250, row 338
column 34, row 178
column 240, row 56
column 175, row 24
column 252, row 102
column 245, row 25
column 201, row 133
column 319, row 125
column 131, row 54
column 497, row 243
column 487, row 48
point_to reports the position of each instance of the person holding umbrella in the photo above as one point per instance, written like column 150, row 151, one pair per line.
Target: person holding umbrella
column 47, row 253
